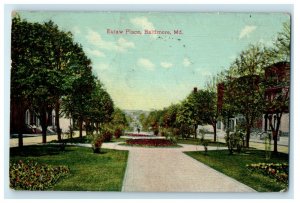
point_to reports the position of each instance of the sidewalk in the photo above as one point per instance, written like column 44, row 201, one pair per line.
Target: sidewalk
column 170, row 170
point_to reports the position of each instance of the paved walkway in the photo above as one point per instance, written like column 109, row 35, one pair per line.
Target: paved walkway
column 170, row 170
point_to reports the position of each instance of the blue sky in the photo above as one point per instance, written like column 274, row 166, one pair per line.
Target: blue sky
column 152, row 71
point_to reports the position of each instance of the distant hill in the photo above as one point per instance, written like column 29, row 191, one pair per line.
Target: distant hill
column 135, row 113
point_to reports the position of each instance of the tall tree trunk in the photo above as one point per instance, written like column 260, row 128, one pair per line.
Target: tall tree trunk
column 97, row 128
column 215, row 131
column 195, row 130
column 20, row 139
column 58, row 130
column 80, row 121
column 276, row 132
column 44, row 125
column 275, row 135
column 248, row 131
column 71, row 128
column 20, row 122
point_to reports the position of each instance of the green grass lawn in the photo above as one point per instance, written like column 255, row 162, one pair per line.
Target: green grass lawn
column 88, row 171
column 196, row 141
column 235, row 167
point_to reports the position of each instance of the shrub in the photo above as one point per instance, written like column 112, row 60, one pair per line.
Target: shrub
column 96, row 142
column 234, row 141
column 117, row 132
column 203, row 141
column 164, row 132
column 106, row 132
column 30, row 175
column 168, row 133
column 107, row 136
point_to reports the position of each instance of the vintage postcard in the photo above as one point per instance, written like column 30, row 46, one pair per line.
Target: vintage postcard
column 150, row 101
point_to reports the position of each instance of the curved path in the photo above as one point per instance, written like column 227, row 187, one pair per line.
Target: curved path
column 170, row 170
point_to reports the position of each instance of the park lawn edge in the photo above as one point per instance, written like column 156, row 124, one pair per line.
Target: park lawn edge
column 263, row 183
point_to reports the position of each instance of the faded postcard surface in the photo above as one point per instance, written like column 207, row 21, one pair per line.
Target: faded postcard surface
column 150, row 101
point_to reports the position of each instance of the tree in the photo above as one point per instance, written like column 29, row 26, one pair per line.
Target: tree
column 100, row 107
column 19, row 56
column 62, row 55
column 189, row 113
column 142, row 119
column 243, row 93
column 277, row 96
column 153, row 120
column 282, row 49
column 31, row 69
column 119, row 122
column 169, row 116
column 277, row 81
column 247, row 100
column 75, row 104
column 206, row 102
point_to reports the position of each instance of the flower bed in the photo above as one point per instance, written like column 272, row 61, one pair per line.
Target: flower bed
column 278, row 171
column 30, row 175
column 150, row 142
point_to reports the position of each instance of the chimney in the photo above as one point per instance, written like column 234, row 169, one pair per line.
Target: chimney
column 195, row 89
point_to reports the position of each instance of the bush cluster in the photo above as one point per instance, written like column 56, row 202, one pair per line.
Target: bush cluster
column 117, row 132
column 234, row 141
column 30, row 175
column 105, row 135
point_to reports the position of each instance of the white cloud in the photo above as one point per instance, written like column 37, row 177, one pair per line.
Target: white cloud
column 142, row 22
column 245, row 32
column 166, row 65
column 95, row 52
column 186, row 62
column 146, row 63
column 120, row 45
column 123, row 44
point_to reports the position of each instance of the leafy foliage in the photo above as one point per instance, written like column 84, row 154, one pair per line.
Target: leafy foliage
column 234, row 141
column 30, row 175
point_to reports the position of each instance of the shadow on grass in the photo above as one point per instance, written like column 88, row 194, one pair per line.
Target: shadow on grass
column 38, row 150
column 73, row 140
